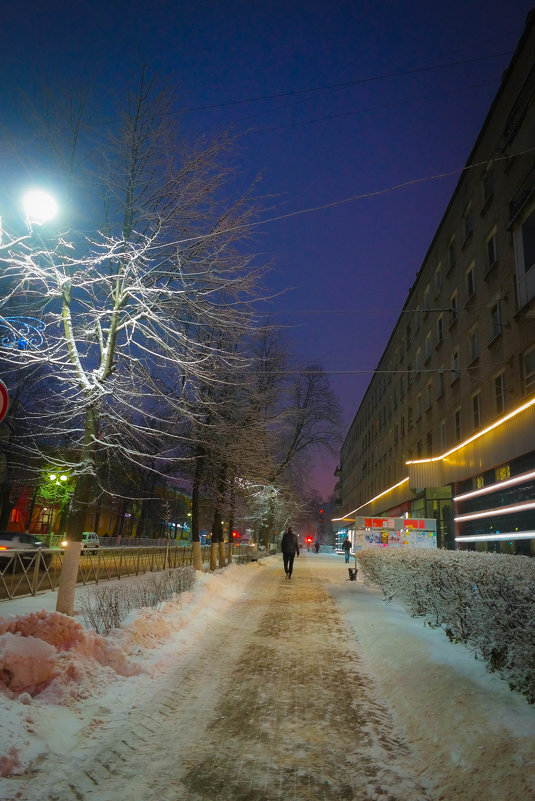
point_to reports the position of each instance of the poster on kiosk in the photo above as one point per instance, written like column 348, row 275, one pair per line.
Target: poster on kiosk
column 394, row 532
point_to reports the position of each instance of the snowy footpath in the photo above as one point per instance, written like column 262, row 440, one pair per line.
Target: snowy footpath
column 256, row 688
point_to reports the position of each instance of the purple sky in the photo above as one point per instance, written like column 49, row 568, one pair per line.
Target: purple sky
column 402, row 90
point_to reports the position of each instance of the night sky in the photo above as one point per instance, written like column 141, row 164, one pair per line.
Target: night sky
column 335, row 101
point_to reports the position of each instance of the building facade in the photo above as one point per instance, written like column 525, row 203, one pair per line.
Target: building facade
column 446, row 428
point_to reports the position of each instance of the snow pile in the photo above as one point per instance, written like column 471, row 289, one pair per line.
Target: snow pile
column 483, row 600
column 53, row 671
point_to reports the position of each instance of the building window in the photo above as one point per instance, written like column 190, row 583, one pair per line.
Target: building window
column 427, row 347
column 478, row 482
column 457, row 425
column 409, row 417
column 418, row 360
column 487, row 186
column 454, row 307
column 409, row 376
column 492, row 251
column 455, row 373
column 451, row 254
column 496, row 325
column 438, row 279
column 440, row 328
column 428, row 395
column 427, row 301
column 440, row 384
column 502, row 473
column 409, row 337
column 529, row 371
column 524, row 244
column 471, row 281
column 417, row 318
column 402, row 425
column 476, row 409
column 473, row 345
column 499, row 392
column 418, row 405
column 429, row 443
column 442, row 435
column 468, row 222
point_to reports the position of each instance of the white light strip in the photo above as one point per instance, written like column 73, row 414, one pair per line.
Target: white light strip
column 385, row 492
column 495, row 487
column 475, row 436
column 525, row 535
column 501, row 510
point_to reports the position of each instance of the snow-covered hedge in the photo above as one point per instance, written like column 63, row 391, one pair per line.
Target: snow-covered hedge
column 107, row 605
column 486, row 601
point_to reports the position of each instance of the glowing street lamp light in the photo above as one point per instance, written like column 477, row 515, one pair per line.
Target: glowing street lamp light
column 39, row 207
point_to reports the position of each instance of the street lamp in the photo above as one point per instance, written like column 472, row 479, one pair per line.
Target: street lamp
column 39, row 207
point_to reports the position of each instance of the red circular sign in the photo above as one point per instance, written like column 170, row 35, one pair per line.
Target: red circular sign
column 4, row 400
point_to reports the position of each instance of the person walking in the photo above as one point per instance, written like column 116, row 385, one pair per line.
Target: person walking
column 316, row 546
column 346, row 547
column 289, row 548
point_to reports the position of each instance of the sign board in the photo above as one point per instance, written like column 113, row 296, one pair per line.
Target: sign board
column 393, row 532
column 4, row 401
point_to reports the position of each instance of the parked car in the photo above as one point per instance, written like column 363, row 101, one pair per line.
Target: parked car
column 13, row 542
column 90, row 541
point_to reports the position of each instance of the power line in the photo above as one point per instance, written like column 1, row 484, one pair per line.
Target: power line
column 341, row 85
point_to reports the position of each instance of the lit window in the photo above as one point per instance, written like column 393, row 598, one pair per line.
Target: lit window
column 502, row 472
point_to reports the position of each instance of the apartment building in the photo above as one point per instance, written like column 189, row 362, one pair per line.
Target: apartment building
column 446, row 428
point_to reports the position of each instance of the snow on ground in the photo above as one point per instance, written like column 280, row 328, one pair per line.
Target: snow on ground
column 471, row 736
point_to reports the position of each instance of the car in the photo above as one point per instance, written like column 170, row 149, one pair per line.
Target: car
column 90, row 541
column 13, row 542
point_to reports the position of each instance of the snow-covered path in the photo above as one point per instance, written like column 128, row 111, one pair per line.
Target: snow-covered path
column 303, row 690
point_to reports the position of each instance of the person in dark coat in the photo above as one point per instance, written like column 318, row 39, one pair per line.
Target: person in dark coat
column 346, row 547
column 289, row 548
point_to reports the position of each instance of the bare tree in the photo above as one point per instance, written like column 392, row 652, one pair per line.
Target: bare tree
column 119, row 305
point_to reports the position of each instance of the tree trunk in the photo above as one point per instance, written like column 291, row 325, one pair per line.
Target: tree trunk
column 195, row 509
column 75, row 526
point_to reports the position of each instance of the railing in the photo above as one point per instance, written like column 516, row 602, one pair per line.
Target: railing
column 31, row 572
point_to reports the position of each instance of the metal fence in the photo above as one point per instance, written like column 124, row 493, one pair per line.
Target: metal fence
column 35, row 571
column 32, row 572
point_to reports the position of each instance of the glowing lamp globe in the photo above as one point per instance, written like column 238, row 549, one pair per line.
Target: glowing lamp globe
column 39, row 207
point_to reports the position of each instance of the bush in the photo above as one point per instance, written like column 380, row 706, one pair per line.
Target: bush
column 485, row 601
column 105, row 607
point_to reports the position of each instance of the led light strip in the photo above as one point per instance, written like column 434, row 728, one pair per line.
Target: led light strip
column 475, row 436
column 502, row 510
column 385, row 492
column 525, row 535
column 509, row 482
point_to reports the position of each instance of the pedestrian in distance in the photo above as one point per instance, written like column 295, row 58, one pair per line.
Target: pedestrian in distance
column 289, row 548
column 346, row 547
column 316, row 546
